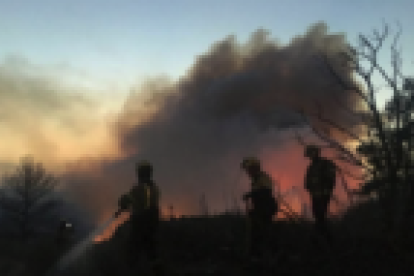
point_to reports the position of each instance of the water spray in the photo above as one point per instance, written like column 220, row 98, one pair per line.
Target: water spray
column 76, row 251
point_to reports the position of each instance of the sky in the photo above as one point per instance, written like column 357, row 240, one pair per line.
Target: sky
column 67, row 68
column 117, row 43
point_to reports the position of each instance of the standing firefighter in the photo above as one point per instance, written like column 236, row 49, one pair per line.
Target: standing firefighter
column 143, row 203
column 264, row 206
column 319, row 182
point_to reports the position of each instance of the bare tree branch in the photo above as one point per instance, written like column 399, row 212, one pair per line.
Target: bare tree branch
column 344, row 84
column 335, row 145
column 360, row 118
column 332, row 124
column 299, row 138
column 340, row 157
column 347, row 173
column 289, row 209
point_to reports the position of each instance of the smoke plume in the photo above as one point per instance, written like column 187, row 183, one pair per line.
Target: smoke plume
column 43, row 117
column 237, row 99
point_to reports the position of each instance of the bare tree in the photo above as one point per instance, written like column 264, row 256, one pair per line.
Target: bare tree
column 26, row 195
column 384, row 149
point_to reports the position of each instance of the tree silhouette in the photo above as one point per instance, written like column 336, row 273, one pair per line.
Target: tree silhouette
column 27, row 195
column 394, row 189
column 384, row 150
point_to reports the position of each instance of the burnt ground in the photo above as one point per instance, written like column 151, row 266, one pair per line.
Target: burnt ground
column 215, row 246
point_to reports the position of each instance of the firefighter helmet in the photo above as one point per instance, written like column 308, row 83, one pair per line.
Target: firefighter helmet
column 144, row 167
column 250, row 162
column 312, row 150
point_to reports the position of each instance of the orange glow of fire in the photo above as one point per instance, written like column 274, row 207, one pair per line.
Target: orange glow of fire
column 110, row 230
column 287, row 168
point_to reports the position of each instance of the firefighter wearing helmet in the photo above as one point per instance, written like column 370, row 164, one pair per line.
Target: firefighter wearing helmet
column 320, row 181
column 143, row 203
column 263, row 206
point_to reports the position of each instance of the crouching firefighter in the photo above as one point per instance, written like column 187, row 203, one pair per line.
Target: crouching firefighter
column 263, row 207
column 143, row 203
column 320, row 182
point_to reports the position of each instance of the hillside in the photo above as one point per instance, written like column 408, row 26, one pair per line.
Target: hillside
column 214, row 246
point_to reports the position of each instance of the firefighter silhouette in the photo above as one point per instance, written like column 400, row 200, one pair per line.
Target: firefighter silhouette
column 143, row 203
column 320, row 181
column 264, row 206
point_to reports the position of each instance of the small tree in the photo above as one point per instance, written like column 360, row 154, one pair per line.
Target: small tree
column 25, row 196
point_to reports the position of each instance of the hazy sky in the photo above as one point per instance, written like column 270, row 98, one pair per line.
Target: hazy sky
column 119, row 42
column 115, row 44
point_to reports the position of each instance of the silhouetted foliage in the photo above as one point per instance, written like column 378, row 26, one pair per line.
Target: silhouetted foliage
column 384, row 136
column 216, row 246
column 26, row 196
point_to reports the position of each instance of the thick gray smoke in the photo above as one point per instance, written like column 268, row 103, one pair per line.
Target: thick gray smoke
column 234, row 101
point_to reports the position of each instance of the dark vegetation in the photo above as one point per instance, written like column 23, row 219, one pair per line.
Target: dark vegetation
column 372, row 238
column 26, row 197
column 384, row 152
column 30, row 212
column 216, row 246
